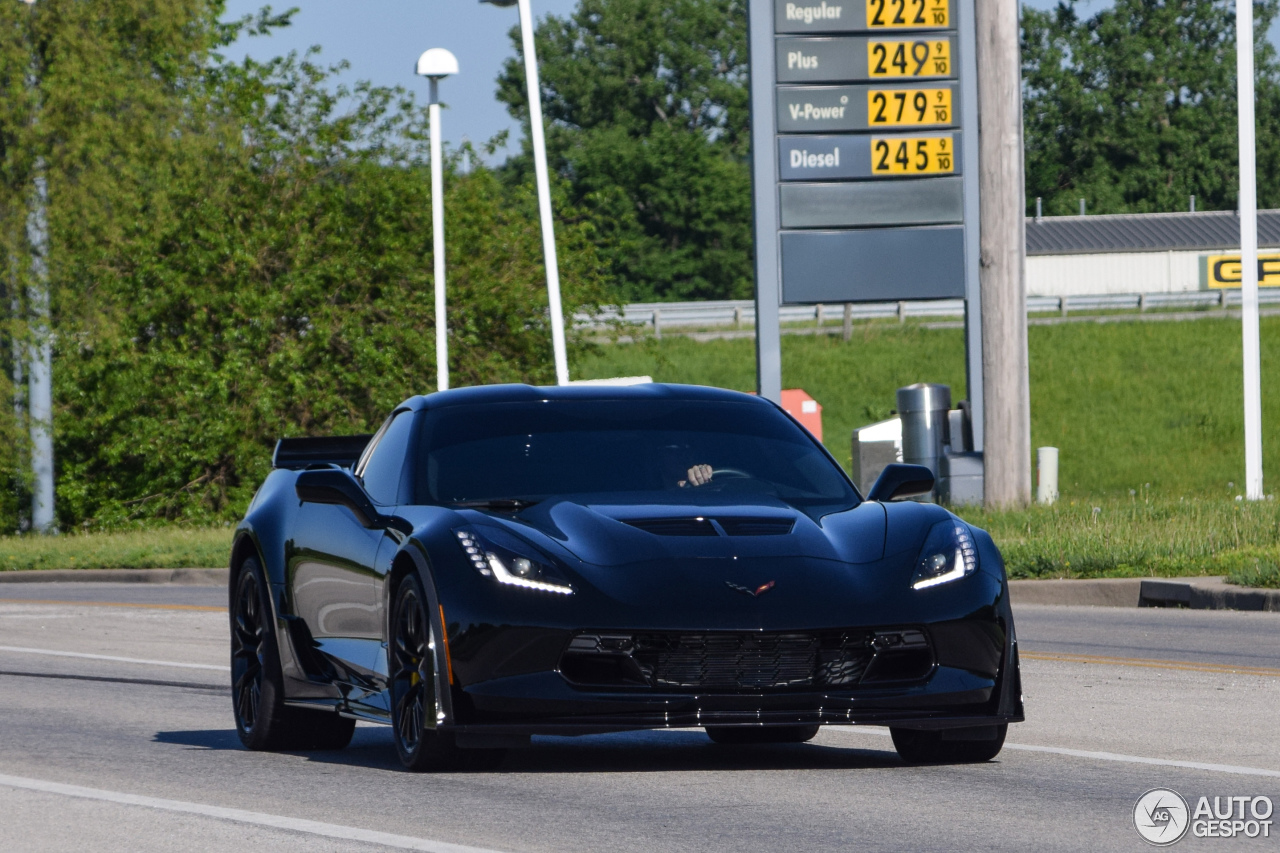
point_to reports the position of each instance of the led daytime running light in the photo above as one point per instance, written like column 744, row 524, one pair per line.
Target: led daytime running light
column 474, row 552
column 490, row 565
column 502, row 575
column 965, row 563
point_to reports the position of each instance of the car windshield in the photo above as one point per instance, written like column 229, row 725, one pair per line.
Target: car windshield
column 530, row 451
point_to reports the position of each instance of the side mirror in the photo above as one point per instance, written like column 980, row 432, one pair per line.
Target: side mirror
column 340, row 487
column 901, row 481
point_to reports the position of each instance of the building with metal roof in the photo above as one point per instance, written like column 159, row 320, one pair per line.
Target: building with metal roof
column 1145, row 232
column 1142, row 252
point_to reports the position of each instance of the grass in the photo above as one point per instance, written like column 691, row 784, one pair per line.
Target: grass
column 1136, row 537
column 1155, row 408
column 1140, row 536
column 157, row 548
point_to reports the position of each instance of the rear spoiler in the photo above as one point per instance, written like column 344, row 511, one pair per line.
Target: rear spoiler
column 298, row 453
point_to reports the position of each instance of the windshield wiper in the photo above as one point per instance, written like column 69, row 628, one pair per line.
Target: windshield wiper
column 500, row 504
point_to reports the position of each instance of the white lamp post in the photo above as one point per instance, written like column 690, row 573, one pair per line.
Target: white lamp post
column 544, row 186
column 1249, row 252
column 436, row 64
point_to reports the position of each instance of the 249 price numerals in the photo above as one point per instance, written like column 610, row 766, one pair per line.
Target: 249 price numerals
column 909, row 58
column 929, row 155
column 897, row 107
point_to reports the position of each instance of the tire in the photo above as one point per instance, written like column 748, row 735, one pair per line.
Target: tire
column 257, row 683
column 951, row 746
column 743, row 735
column 414, row 704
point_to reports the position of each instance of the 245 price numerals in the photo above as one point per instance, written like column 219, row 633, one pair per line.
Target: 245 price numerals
column 930, row 155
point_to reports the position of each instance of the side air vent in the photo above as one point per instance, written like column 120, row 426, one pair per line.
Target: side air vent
column 674, row 526
column 757, row 526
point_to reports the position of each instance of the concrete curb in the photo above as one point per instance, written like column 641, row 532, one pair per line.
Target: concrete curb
column 1207, row 593
column 186, row 577
column 1104, row 592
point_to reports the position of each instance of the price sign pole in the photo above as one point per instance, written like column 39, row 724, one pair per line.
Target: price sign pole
column 864, row 161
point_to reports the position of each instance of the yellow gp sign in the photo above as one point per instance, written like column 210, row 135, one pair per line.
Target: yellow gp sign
column 1223, row 271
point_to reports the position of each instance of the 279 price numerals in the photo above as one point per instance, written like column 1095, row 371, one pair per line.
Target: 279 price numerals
column 889, row 107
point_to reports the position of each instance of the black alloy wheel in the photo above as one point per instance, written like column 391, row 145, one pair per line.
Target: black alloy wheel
column 254, row 693
column 745, row 735
column 414, row 699
column 950, row 746
column 257, row 683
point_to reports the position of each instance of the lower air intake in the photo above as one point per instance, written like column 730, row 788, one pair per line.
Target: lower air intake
column 721, row 661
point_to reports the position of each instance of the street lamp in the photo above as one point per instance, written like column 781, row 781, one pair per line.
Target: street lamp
column 544, row 186
column 435, row 65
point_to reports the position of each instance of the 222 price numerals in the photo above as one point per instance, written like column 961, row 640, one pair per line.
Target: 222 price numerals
column 890, row 107
column 908, row 13
column 930, row 155
column 909, row 58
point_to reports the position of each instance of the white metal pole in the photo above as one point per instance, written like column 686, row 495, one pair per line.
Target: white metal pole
column 437, row 228
column 544, row 194
column 1249, row 252
column 40, row 356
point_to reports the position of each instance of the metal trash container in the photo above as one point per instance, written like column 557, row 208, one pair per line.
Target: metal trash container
column 925, row 413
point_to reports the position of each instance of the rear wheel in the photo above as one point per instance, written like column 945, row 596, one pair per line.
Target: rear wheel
column 257, row 684
column 415, row 706
column 740, row 735
column 949, row 746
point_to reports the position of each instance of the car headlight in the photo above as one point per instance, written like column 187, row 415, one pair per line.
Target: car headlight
column 948, row 554
column 509, row 563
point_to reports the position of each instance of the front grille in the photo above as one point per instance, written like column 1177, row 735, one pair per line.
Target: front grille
column 721, row 661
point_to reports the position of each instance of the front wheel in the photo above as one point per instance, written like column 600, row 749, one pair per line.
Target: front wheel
column 949, row 746
column 415, row 706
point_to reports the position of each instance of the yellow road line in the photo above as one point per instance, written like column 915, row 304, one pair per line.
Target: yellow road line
column 115, row 604
column 1149, row 663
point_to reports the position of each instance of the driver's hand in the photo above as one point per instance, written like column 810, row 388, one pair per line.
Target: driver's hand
column 699, row 475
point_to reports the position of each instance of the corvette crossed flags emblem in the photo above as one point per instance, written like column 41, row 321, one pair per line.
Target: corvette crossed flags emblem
column 754, row 593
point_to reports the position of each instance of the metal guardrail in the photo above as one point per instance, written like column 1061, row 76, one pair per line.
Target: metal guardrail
column 742, row 313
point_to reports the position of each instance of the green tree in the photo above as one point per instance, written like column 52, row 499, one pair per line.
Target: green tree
column 1134, row 108
column 646, row 106
column 243, row 251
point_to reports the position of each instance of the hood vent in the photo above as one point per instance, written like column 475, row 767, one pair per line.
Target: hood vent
column 757, row 526
column 704, row 527
column 674, row 526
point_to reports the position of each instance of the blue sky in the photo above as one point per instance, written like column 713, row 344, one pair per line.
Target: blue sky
column 383, row 38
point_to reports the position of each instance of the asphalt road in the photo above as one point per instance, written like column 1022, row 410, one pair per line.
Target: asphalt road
column 133, row 749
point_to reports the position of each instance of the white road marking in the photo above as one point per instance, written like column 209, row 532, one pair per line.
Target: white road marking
column 1098, row 756
column 143, row 661
column 311, row 827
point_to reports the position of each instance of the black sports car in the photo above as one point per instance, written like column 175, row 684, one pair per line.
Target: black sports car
column 505, row 561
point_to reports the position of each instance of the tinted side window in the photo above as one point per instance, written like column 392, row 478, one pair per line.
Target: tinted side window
column 385, row 466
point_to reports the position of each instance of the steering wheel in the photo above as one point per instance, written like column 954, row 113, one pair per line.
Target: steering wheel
column 734, row 473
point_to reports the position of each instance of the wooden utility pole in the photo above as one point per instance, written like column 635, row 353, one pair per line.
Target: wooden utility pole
column 1006, row 382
